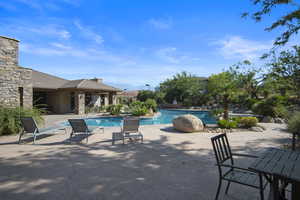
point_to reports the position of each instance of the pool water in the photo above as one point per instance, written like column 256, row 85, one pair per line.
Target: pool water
column 164, row 117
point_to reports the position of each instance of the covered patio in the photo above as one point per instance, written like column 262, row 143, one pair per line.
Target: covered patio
column 60, row 96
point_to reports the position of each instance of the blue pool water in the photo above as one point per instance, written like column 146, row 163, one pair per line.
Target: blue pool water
column 165, row 117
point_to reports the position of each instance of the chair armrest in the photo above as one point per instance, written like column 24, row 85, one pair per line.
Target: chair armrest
column 236, row 167
column 244, row 155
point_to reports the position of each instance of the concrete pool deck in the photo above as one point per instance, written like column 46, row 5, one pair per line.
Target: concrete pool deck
column 168, row 166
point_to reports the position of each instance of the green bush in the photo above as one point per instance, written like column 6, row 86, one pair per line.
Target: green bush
column 236, row 119
column 94, row 109
column 227, row 123
column 114, row 109
column 281, row 111
column 248, row 122
column 10, row 118
column 272, row 106
column 138, row 108
column 139, row 111
column 217, row 112
column 151, row 104
column 293, row 123
column 136, row 103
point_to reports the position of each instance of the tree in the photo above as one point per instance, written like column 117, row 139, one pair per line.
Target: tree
column 289, row 22
column 223, row 87
column 285, row 71
column 143, row 95
column 185, row 88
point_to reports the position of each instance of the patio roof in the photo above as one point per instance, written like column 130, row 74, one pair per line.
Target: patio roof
column 89, row 85
column 46, row 81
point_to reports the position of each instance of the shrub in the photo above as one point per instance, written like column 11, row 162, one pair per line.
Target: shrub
column 281, row 111
column 248, row 122
column 217, row 112
column 236, row 119
column 138, row 108
column 271, row 107
column 227, row 123
column 139, row 111
column 136, row 103
column 10, row 118
column 114, row 109
column 151, row 104
column 94, row 109
column 293, row 123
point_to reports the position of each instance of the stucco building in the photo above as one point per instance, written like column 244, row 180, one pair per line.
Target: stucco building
column 26, row 87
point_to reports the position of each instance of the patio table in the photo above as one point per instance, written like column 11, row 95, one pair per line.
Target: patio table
column 279, row 165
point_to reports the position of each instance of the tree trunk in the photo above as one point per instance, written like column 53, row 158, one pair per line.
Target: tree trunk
column 226, row 107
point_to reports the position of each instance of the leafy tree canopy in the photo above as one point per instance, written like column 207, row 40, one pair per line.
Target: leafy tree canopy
column 290, row 22
column 185, row 88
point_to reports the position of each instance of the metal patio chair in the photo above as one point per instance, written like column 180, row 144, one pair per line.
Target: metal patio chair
column 79, row 126
column 232, row 173
column 129, row 129
column 29, row 126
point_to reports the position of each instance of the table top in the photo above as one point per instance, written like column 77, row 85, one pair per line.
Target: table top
column 280, row 162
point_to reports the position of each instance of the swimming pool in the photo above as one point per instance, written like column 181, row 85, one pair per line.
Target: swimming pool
column 164, row 117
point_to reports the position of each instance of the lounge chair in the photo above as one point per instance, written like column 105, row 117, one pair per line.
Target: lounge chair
column 129, row 129
column 29, row 126
column 233, row 173
column 79, row 126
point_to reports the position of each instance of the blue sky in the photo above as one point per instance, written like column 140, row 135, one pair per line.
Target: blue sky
column 130, row 43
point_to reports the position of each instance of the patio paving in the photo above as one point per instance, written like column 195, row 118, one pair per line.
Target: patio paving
column 168, row 166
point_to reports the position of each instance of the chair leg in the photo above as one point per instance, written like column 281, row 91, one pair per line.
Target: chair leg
column 113, row 139
column 34, row 137
column 219, row 187
column 142, row 139
column 227, row 187
column 21, row 134
column 261, row 187
column 71, row 134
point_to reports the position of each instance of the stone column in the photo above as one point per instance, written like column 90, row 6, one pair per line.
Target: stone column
column 80, row 103
column 114, row 98
column 106, row 100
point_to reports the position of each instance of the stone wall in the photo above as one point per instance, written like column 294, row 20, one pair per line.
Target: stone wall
column 9, row 51
column 13, row 79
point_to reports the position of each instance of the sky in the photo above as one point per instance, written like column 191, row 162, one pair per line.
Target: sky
column 131, row 43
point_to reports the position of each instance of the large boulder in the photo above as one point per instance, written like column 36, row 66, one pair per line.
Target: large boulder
column 257, row 129
column 188, row 123
column 268, row 119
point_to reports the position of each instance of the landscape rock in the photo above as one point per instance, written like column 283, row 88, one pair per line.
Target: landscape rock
column 268, row 119
column 256, row 129
column 279, row 120
column 188, row 123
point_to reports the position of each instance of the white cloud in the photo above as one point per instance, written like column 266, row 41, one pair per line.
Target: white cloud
column 173, row 56
column 51, row 30
column 161, row 23
column 168, row 54
column 60, row 46
column 90, row 54
column 89, row 33
column 38, row 5
column 238, row 47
